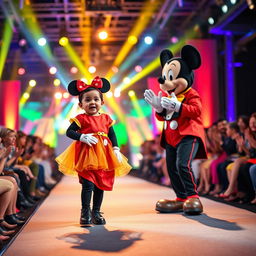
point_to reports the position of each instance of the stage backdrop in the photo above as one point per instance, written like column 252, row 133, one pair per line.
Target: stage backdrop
column 9, row 104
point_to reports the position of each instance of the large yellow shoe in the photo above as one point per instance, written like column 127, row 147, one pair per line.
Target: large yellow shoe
column 169, row 206
column 193, row 206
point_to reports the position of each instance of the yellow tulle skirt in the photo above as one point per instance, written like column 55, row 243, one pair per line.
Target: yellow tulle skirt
column 97, row 157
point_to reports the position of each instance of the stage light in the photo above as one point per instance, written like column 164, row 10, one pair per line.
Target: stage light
column 174, row 39
column 233, row 1
column 32, row 83
column 57, row 95
column 56, row 82
column 109, row 94
column 41, row 41
column 63, row 41
column 21, row 71
column 52, row 70
column 131, row 93
column 224, row 8
column 132, row 40
column 73, row 70
column 26, row 95
column 148, row 40
column 65, row 95
column 22, row 42
column 92, row 69
column 103, row 35
column 126, row 80
column 211, row 20
column 117, row 93
column 115, row 69
column 138, row 68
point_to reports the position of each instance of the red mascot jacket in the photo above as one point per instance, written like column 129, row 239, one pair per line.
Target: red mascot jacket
column 187, row 122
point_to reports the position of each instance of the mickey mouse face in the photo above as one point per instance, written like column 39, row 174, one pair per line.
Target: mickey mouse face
column 177, row 72
column 170, row 73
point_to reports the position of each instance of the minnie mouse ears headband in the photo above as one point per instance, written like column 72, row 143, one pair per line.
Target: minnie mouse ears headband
column 75, row 87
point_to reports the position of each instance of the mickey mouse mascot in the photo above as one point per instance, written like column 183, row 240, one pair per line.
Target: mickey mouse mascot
column 183, row 131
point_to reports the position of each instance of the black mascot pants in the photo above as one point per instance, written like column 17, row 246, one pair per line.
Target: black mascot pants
column 179, row 160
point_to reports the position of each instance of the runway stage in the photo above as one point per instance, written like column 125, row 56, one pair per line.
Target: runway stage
column 133, row 227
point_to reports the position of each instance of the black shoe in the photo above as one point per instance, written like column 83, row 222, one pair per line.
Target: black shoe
column 26, row 204
column 97, row 218
column 10, row 219
column 30, row 200
column 19, row 217
column 86, row 217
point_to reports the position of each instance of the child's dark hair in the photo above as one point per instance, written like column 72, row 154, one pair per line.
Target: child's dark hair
column 80, row 96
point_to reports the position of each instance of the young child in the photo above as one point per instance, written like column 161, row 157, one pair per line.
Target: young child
column 94, row 155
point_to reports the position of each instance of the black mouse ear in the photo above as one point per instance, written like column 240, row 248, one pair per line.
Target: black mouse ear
column 165, row 55
column 106, row 85
column 72, row 88
column 191, row 56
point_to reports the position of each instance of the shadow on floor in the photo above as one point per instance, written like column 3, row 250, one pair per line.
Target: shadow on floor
column 214, row 222
column 100, row 239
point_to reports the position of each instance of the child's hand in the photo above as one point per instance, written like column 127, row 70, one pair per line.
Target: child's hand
column 88, row 139
column 118, row 154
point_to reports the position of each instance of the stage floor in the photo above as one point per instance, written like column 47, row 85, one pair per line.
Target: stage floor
column 133, row 227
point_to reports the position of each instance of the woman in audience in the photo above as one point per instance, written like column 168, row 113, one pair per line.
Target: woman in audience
column 252, row 172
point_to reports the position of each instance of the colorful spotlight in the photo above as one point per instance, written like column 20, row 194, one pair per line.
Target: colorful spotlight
column 56, row 82
column 32, row 83
column 26, row 95
column 126, row 80
column 233, row 1
column 138, row 68
column 92, row 69
column 52, row 70
column 115, row 69
column 22, row 42
column 174, row 39
column 63, row 41
column 148, row 40
column 58, row 95
column 103, row 35
column 73, row 70
column 224, row 8
column 21, row 71
column 117, row 93
column 132, row 40
column 65, row 95
column 131, row 93
column 211, row 20
column 41, row 41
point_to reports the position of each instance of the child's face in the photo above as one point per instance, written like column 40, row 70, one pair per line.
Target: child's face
column 91, row 102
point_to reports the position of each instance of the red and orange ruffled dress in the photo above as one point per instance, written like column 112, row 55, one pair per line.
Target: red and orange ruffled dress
column 96, row 163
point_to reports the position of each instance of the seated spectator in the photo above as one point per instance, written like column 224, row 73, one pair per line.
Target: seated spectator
column 252, row 172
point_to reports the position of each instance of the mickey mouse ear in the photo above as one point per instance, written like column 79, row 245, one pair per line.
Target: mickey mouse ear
column 165, row 55
column 106, row 85
column 191, row 56
column 72, row 88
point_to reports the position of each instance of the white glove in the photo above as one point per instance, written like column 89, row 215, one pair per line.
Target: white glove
column 153, row 100
column 88, row 139
column 118, row 154
column 171, row 103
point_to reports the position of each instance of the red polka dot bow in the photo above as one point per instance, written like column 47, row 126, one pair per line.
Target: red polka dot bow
column 96, row 83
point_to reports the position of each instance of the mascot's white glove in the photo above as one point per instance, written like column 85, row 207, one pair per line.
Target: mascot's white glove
column 153, row 100
column 88, row 139
column 118, row 154
column 171, row 103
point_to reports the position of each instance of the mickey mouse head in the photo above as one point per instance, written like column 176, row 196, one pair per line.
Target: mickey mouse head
column 177, row 72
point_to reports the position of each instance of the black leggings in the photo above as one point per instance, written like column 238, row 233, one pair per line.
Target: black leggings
column 87, row 188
